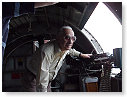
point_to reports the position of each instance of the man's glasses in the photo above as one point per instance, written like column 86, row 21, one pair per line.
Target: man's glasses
column 67, row 37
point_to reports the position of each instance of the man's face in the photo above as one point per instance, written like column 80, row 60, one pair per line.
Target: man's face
column 67, row 39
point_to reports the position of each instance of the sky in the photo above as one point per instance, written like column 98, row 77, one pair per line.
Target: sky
column 105, row 27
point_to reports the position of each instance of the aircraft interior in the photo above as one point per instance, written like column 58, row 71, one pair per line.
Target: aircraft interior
column 29, row 31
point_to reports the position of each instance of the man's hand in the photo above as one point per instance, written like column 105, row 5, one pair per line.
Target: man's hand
column 85, row 55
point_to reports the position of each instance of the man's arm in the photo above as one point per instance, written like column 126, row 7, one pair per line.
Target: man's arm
column 85, row 55
column 43, row 74
column 73, row 52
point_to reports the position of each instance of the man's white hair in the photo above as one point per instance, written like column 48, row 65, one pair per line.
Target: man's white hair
column 61, row 31
column 65, row 27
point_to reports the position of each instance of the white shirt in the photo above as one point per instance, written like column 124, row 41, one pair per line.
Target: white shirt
column 46, row 63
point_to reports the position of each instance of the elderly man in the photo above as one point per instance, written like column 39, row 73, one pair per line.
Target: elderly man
column 48, row 59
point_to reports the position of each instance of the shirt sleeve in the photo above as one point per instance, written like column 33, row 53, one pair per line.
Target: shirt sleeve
column 43, row 75
column 73, row 52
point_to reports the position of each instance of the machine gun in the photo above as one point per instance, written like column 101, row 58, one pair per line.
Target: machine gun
column 101, row 63
column 96, row 61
